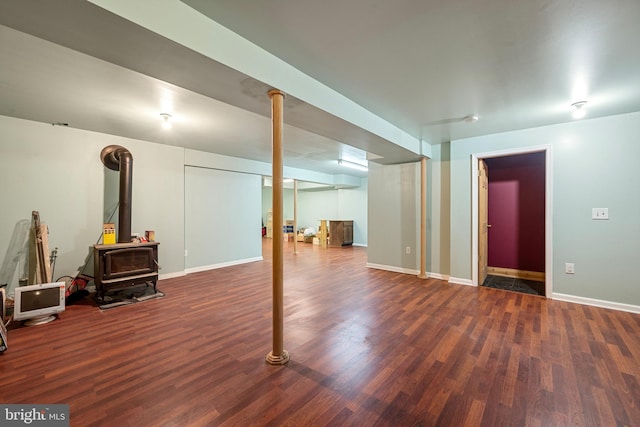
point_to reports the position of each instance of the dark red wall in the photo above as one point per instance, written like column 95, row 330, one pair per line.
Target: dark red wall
column 516, row 211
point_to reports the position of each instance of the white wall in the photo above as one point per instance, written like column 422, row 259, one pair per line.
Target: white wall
column 57, row 171
column 353, row 204
column 287, row 203
column 594, row 165
column 439, row 211
column 394, row 216
column 347, row 204
column 222, row 217
column 316, row 205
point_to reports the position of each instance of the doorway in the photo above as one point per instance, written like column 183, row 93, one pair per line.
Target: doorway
column 511, row 220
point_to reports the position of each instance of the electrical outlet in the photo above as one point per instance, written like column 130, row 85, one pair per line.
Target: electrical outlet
column 407, row 250
column 569, row 268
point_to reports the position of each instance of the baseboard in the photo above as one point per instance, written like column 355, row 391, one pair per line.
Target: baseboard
column 596, row 302
column 438, row 276
column 392, row 268
column 361, row 245
column 458, row 281
column 413, row 272
column 172, row 275
column 221, row 265
column 536, row 276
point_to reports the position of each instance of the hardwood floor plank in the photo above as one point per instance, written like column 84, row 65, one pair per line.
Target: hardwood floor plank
column 368, row 347
column 473, row 417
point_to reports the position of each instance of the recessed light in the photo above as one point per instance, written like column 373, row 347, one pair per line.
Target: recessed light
column 166, row 120
column 579, row 109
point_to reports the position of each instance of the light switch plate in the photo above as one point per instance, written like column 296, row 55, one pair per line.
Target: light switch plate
column 600, row 213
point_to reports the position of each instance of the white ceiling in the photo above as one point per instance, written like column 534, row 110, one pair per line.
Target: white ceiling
column 425, row 64
column 420, row 64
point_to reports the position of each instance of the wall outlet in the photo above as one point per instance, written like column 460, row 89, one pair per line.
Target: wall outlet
column 186, row 252
column 569, row 268
column 600, row 213
column 407, row 250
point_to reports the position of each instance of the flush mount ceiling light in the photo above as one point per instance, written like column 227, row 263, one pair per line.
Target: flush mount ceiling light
column 470, row 118
column 579, row 109
column 353, row 165
column 166, row 120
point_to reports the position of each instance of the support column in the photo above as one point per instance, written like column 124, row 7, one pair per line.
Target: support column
column 295, row 216
column 278, row 356
column 322, row 234
column 423, row 219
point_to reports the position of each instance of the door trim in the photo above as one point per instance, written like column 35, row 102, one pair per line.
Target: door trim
column 548, row 222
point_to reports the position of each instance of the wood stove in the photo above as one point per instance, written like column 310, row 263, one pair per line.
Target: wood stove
column 123, row 265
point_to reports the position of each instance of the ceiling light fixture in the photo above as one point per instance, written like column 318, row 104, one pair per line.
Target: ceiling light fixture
column 353, row 165
column 470, row 118
column 166, row 120
column 579, row 110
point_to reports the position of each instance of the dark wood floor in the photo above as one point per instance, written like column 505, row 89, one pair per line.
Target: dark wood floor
column 368, row 347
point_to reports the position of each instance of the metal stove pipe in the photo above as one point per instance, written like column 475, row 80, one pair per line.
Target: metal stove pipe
column 118, row 158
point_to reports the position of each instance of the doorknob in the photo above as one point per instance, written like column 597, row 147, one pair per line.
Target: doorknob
column 488, row 225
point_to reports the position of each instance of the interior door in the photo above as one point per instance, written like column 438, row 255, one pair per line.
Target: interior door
column 483, row 215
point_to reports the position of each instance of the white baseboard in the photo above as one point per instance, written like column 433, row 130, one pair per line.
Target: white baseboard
column 221, row 265
column 596, row 302
column 362, row 245
column 172, row 275
column 438, row 276
column 458, row 281
column 392, row 268
column 409, row 271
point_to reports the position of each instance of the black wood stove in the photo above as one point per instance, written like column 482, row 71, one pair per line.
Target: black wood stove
column 123, row 264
